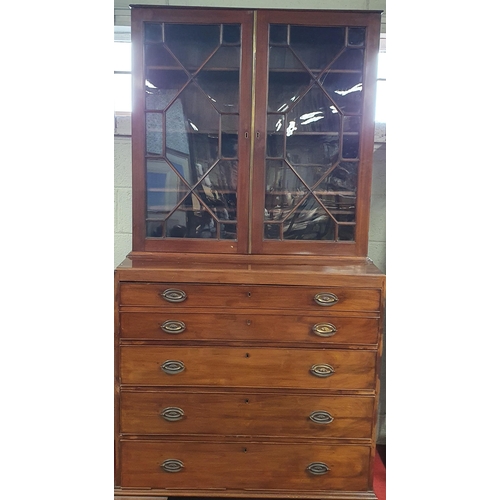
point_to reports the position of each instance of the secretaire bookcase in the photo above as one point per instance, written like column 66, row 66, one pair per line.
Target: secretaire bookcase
column 248, row 315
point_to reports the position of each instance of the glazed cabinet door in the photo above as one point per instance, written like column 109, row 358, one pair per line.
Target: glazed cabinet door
column 315, row 88
column 191, row 126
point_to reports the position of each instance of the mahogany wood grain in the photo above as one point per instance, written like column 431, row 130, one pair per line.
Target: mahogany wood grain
column 247, row 367
column 249, row 296
column 252, row 269
column 247, row 414
column 159, row 494
column 239, row 466
column 249, row 326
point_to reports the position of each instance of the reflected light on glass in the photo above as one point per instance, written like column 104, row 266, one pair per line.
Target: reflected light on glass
column 356, row 88
column 193, row 126
column 291, row 128
column 311, row 117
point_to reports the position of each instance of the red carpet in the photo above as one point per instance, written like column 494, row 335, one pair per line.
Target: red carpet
column 379, row 478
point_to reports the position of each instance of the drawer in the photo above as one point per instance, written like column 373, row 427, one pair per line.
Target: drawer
column 186, row 295
column 247, row 367
column 239, row 414
column 314, row 328
column 237, row 466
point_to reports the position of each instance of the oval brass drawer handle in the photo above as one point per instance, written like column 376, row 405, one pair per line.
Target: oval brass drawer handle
column 324, row 329
column 321, row 417
column 172, row 414
column 174, row 295
column 172, row 465
column 318, row 468
column 173, row 367
column 322, row 370
column 326, row 299
column 174, row 327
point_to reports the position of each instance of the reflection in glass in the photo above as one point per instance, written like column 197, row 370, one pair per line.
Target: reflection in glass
column 192, row 44
column 356, row 36
column 314, row 150
column 192, row 130
column 153, row 32
column 317, row 46
column 345, row 89
column 349, row 59
column 154, row 127
column 221, row 90
column 313, row 127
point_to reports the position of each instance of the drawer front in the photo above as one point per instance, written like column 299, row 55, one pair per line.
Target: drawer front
column 184, row 325
column 185, row 295
column 237, row 466
column 248, row 367
column 249, row 413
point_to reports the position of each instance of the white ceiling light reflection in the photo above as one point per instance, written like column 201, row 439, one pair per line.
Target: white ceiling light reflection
column 312, row 117
column 291, row 128
column 356, row 88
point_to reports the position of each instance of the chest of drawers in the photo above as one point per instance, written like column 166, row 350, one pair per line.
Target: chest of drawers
column 247, row 380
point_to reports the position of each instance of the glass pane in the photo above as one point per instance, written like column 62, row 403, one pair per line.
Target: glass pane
column 288, row 79
column 356, row 36
column 346, row 232
column 204, row 149
column 350, row 59
column 154, row 133
column 276, row 136
column 346, row 91
column 344, row 177
column 352, row 123
column 278, row 33
column 217, row 189
column 317, row 46
column 315, row 112
column 221, row 89
column 309, row 222
column 158, row 55
column 350, row 146
column 318, row 149
column 153, row 32
column 192, row 127
column 164, row 190
column 313, row 124
column 225, row 58
column 284, row 190
column 192, row 44
column 229, row 136
column 231, row 33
